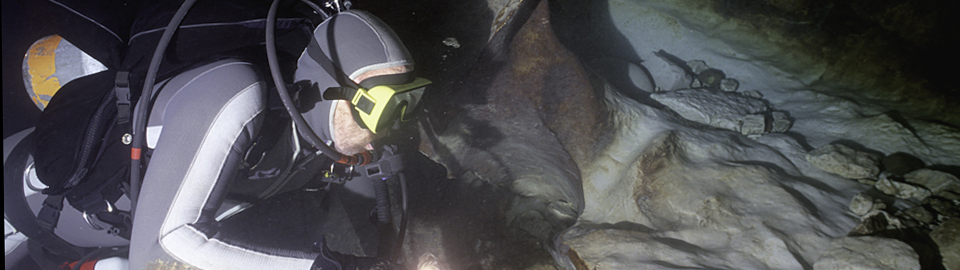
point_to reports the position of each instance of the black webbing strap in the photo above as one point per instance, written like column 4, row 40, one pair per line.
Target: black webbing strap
column 49, row 214
column 18, row 213
column 122, row 90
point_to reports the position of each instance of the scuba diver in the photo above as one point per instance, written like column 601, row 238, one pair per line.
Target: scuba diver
column 215, row 130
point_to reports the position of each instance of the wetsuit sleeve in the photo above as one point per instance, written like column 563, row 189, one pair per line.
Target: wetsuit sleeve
column 207, row 118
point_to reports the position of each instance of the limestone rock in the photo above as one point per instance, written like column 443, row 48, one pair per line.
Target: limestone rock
column 667, row 75
column 451, row 42
column 780, row 122
column 753, row 94
column 714, row 108
column 867, row 181
column 861, row 204
column 901, row 163
column 729, row 85
column 920, row 214
column 876, row 221
column 943, row 206
column 902, row 190
column 711, row 77
column 845, row 161
column 753, row 124
column 697, row 66
column 940, row 183
column 868, row 252
column 947, row 237
column 696, row 83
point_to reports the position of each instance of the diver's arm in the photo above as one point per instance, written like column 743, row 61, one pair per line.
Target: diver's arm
column 207, row 125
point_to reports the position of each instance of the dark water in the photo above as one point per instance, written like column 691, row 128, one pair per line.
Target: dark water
column 899, row 48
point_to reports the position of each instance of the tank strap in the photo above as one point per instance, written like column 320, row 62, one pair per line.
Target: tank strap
column 122, row 90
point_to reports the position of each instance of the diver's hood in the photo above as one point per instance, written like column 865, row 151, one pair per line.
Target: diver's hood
column 356, row 42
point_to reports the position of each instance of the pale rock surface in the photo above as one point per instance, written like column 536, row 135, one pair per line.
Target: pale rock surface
column 729, row 85
column 920, row 214
column 861, row 204
column 940, row 183
column 753, row 94
column 753, row 124
column 875, row 221
column 714, row 108
column 947, row 237
column 823, row 119
column 902, row 190
column 868, row 253
column 667, row 195
column 697, row 66
column 845, row 161
column 666, row 75
column 780, row 123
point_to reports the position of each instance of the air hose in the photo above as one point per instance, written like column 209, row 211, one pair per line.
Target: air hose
column 383, row 200
column 140, row 115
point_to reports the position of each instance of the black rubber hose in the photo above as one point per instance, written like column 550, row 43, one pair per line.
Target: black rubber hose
column 317, row 9
column 383, row 200
column 403, row 210
column 140, row 114
column 305, row 131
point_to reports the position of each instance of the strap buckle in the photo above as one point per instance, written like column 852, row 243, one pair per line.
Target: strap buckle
column 98, row 223
column 122, row 90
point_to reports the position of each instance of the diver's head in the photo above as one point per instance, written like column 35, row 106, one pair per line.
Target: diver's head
column 357, row 46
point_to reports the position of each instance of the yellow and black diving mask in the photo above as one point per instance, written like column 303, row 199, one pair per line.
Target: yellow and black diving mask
column 380, row 101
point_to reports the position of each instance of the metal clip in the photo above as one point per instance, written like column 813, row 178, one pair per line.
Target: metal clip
column 95, row 222
column 338, row 5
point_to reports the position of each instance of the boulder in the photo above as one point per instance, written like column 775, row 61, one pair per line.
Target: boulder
column 876, row 221
column 920, row 214
column 862, row 204
column 868, row 252
column 729, row 85
column 845, row 161
column 697, row 66
column 780, row 122
column 944, row 207
column 947, row 237
column 939, row 183
column 714, row 108
column 902, row 190
column 753, row 124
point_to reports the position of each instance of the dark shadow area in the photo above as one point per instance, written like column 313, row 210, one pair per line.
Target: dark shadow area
column 922, row 244
column 857, row 146
column 464, row 216
column 951, row 169
column 623, row 225
column 901, row 163
column 19, row 32
column 802, row 140
column 586, row 29
column 885, row 52
column 422, row 26
column 288, row 221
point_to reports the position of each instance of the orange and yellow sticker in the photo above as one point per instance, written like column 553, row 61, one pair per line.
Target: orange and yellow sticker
column 41, row 60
